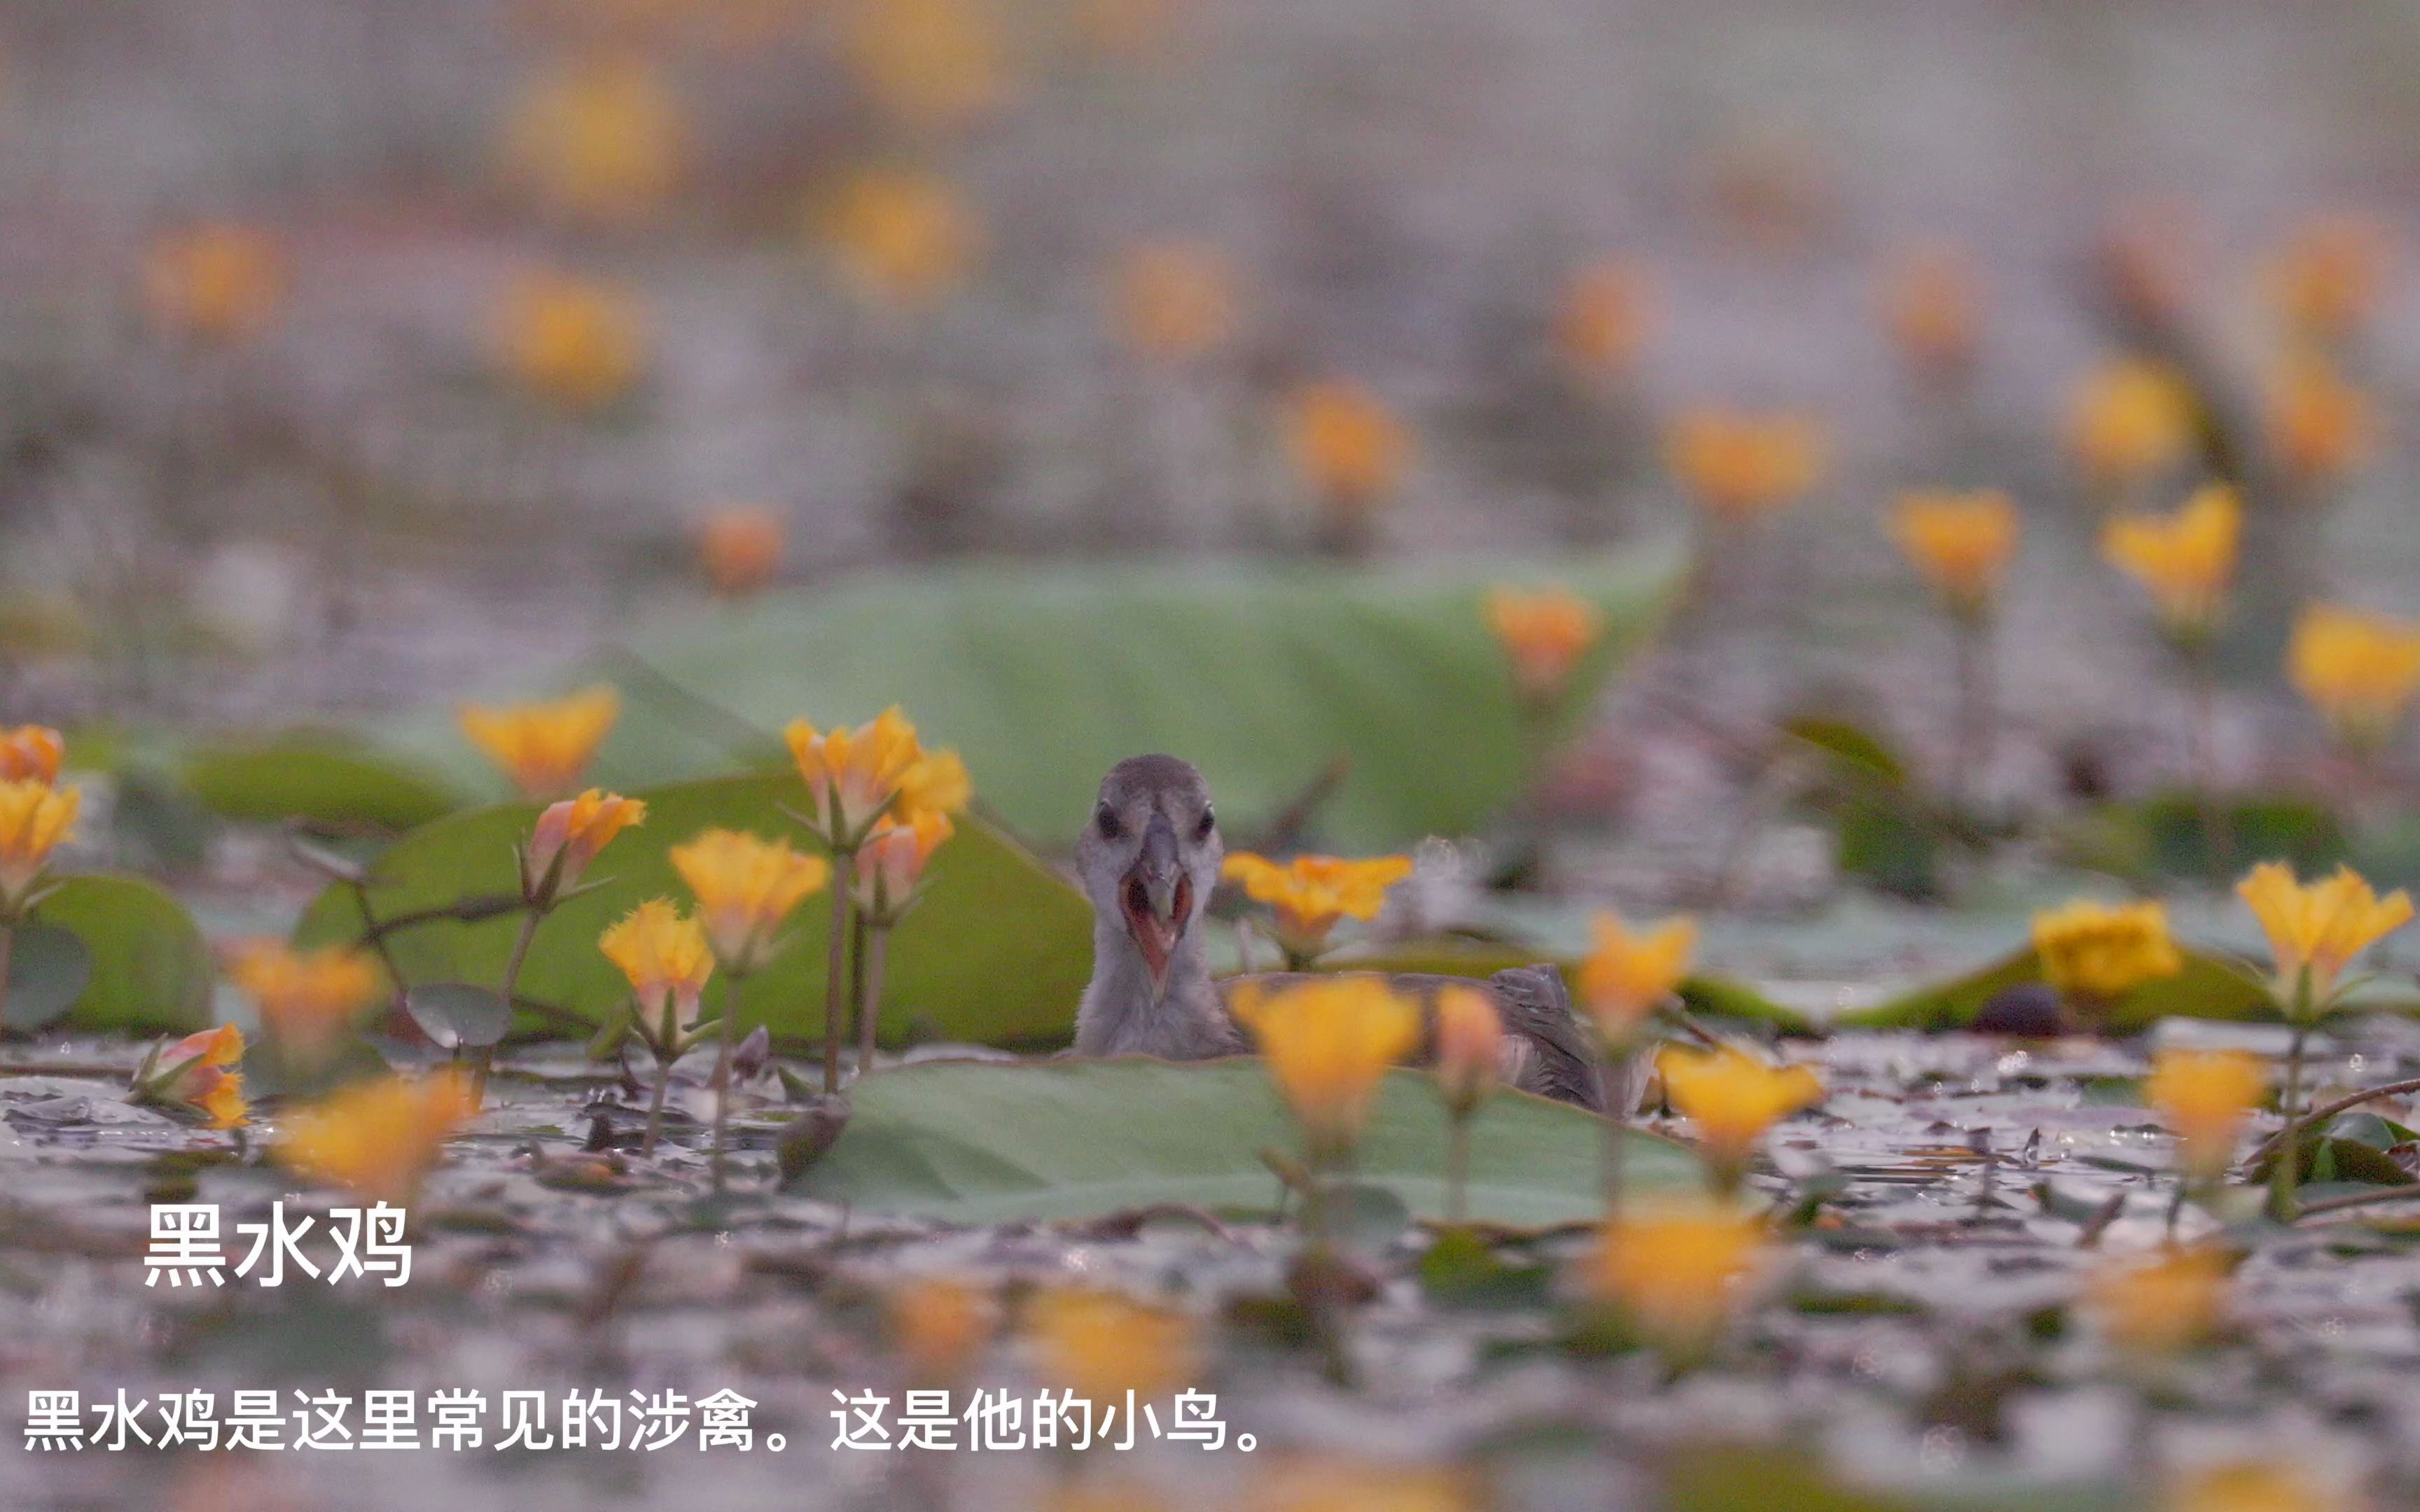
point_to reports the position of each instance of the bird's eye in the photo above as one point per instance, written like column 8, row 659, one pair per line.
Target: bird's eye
column 1107, row 822
column 1201, row 829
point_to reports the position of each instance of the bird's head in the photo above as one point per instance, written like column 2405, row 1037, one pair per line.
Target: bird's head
column 1150, row 854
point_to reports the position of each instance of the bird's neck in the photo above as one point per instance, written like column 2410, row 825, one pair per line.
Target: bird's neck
column 1127, row 1013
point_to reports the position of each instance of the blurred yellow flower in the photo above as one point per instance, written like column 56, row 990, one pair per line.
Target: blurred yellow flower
column 544, row 747
column 2161, row 1305
column 34, row 818
column 598, row 135
column 217, row 282
column 2130, row 419
column 2314, row 929
column 1342, row 1486
column 1960, row 542
column 2101, row 951
column 308, row 999
column 2325, row 283
column 891, row 863
column 1309, row 895
column 1740, row 466
column 1470, row 1047
column 2204, row 1096
column 1933, row 308
column 1629, row 974
column 567, row 837
column 1676, row 1272
column 667, row 959
column 745, row 887
column 1348, row 447
column 2185, row 558
column 739, row 548
column 1174, row 300
column 31, row 753
column 1329, row 1043
column 1100, row 1346
column 378, row 1140
column 2253, row 1488
column 1544, row 633
column 1604, row 320
column 576, row 342
column 2318, row 424
column 939, row 1325
column 853, row 776
column 198, row 1072
column 2358, row 669
column 903, row 238
column 1733, row 1098
column 932, row 64
column 936, row 783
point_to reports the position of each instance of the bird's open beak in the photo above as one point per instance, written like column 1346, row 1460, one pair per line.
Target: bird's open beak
column 1156, row 897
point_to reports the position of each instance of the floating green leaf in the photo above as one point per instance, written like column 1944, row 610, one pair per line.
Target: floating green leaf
column 150, row 967
column 1043, row 676
column 985, row 1142
column 2206, row 988
column 323, row 778
column 49, row 969
column 997, row 952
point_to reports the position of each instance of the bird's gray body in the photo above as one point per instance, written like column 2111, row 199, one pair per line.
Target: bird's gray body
column 1149, row 858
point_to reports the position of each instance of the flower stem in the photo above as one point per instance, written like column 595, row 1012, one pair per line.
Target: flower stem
column 1972, row 739
column 656, row 1104
column 873, row 951
column 722, row 1069
column 837, row 977
column 7, row 957
column 1457, row 1168
column 2202, row 679
column 485, row 1055
column 1617, row 1122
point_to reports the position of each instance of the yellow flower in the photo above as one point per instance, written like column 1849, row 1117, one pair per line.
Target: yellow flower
column 544, row 747
column 1348, row 447
column 2205, row 1096
column 2185, row 558
column 1932, row 305
column 2358, row 669
column 2314, row 929
column 740, row 549
column 602, row 135
column 1545, row 633
column 668, row 960
column 2161, row 1305
column 1739, row 466
column 1603, row 321
column 2318, row 424
column 1676, row 1272
column 891, row 863
column 1962, row 543
column 198, row 1072
column 936, row 783
column 939, row 1325
column 1630, row 973
column 2253, row 1488
column 1175, row 300
column 1101, row 1346
column 34, row 818
column 1470, row 1047
column 1733, row 1098
column 31, row 753
column 745, row 887
column 217, row 282
column 308, row 999
column 574, row 341
column 853, row 776
column 1328, row 1044
column 567, row 837
column 901, row 239
column 2326, row 282
column 378, row 1140
column 1312, row 894
column 933, row 65
column 2131, row 419
column 2100, row 951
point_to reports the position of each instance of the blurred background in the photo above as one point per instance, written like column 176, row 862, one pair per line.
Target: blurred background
column 357, row 355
